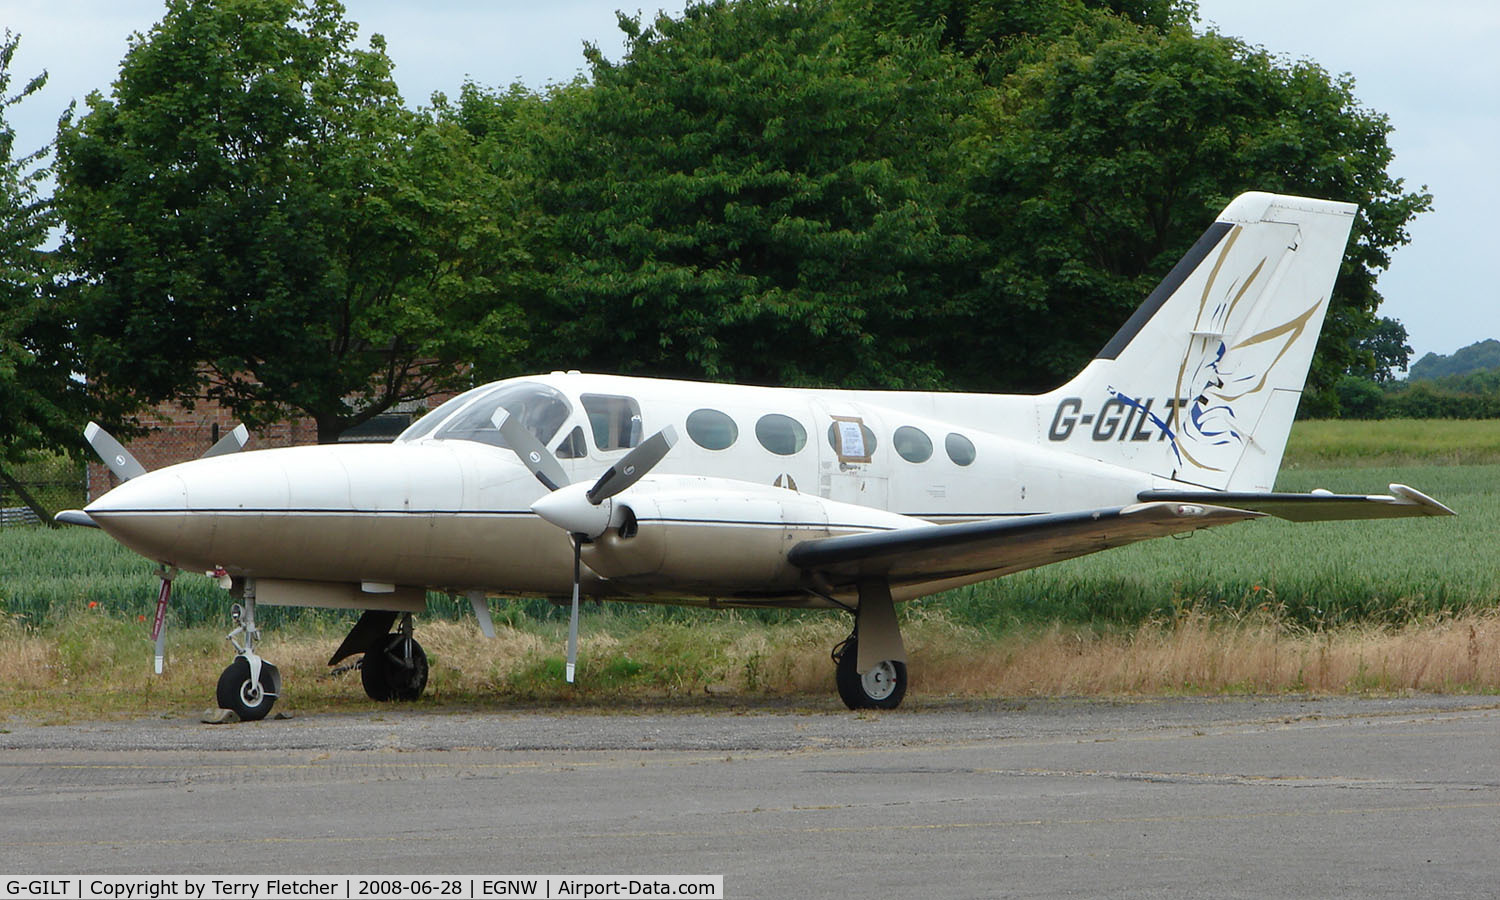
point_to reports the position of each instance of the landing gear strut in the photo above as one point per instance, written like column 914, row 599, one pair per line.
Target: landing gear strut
column 250, row 685
column 871, row 672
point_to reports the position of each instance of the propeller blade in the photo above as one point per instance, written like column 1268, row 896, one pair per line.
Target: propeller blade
column 573, row 619
column 634, row 466
column 233, row 442
column 114, row 454
column 534, row 455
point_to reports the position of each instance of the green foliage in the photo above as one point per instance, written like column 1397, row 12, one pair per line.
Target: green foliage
column 1381, row 353
column 324, row 250
column 1475, row 395
column 873, row 193
column 741, row 199
column 1098, row 166
column 1472, row 396
column 1001, row 35
column 40, row 402
column 1476, row 357
column 1359, row 398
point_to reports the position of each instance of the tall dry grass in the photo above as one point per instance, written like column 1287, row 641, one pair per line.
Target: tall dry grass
column 1201, row 654
column 81, row 673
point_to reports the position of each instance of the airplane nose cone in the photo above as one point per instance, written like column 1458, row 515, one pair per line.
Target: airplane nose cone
column 154, row 492
column 146, row 513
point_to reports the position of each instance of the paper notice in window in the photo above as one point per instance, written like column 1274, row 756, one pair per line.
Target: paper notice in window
column 851, row 439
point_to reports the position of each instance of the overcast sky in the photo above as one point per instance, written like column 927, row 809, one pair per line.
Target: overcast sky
column 1431, row 67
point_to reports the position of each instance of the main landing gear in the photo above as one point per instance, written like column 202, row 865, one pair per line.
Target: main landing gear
column 882, row 687
column 395, row 668
column 250, row 685
column 870, row 664
column 394, row 665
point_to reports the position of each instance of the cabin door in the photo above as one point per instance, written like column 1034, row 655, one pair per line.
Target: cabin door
column 851, row 455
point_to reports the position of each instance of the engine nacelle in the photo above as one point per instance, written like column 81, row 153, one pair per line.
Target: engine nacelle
column 714, row 532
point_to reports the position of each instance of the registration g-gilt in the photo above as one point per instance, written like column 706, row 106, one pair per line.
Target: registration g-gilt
column 577, row 486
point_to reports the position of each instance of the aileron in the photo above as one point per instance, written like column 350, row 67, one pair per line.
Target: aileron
column 1317, row 506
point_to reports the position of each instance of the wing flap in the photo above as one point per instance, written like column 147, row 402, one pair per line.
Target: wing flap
column 1001, row 546
column 1318, row 506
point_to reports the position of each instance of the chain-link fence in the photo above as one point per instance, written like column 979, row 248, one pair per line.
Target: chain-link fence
column 54, row 483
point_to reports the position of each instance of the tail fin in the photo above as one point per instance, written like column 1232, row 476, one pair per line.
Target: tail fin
column 1201, row 384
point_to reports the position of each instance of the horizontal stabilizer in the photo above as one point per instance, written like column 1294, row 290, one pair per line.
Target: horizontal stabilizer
column 1000, row 546
column 1318, row 506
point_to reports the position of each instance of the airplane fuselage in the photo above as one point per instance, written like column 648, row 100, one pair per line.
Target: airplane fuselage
column 759, row 470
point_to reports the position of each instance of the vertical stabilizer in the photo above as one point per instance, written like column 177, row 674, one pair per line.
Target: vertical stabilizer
column 1201, row 384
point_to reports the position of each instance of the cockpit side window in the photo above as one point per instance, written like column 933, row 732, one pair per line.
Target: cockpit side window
column 541, row 409
column 573, row 446
column 615, row 421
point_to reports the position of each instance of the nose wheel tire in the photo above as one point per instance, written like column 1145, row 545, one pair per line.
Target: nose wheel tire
column 397, row 672
column 880, row 688
column 249, row 699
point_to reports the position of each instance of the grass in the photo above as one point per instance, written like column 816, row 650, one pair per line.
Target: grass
column 94, row 668
column 1392, row 442
column 1265, row 606
column 1315, row 575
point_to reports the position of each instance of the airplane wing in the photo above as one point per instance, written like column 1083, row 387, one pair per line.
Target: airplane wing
column 1318, row 506
column 1001, row 546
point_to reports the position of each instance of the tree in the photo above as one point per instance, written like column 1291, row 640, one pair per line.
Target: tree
column 40, row 403
column 1099, row 165
column 253, row 217
column 742, row 199
column 1001, row 35
column 1382, row 353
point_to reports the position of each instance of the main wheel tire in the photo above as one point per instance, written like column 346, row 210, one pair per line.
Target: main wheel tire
column 398, row 671
column 249, row 700
column 880, row 688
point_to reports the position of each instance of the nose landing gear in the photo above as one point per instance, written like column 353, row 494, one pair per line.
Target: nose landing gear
column 249, row 686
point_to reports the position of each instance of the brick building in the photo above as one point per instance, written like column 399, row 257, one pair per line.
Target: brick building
column 182, row 434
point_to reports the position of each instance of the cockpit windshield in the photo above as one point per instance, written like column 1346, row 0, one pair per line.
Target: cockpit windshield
column 424, row 426
column 467, row 417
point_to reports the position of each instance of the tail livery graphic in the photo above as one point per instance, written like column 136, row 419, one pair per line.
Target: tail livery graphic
column 1202, row 383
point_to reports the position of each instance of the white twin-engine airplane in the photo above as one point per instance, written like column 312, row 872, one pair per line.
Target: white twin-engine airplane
column 778, row 497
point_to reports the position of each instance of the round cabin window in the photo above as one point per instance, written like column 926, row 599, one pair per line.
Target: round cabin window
column 782, row 435
column 960, row 449
column 711, row 429
column 912, row 444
